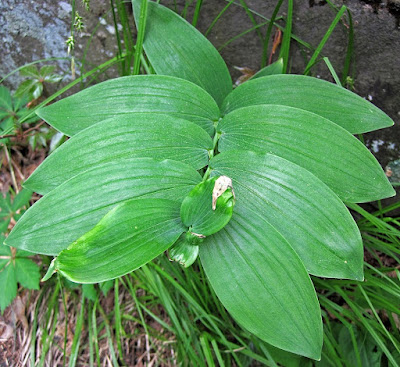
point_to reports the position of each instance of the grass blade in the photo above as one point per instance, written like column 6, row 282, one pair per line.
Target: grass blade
column 197, row 12
column 77, row 335
column 332, row 70
column 140, row 37
column 287, row 35
column 268, row 34
column 324, row 40
column 117, row 318
column 215, row 20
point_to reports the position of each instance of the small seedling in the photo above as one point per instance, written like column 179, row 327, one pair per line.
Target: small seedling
column 34, row 85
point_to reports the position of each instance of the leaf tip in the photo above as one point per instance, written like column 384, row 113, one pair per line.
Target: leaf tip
column 50, row 271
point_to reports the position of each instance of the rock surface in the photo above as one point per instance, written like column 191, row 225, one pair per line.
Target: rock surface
column 34, row 30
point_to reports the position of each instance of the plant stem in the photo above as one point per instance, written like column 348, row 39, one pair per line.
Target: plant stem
column 140, row 37
column 268, row 34
column 212, row 152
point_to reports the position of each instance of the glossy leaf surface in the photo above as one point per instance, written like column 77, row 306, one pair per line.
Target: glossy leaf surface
column 76, row 206
column 127, row 237
column 299, row 206
column 328, row 151
column 273, row 69
column 175, row 47
column 184, row 252
column 263, row 284
column 140, row 93
column 197, row 212
column 328, row 100
column 132, row 135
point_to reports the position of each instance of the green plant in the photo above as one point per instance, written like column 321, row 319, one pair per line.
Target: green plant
column 142, row 167
column 15, row 266
column 33, row 86
column 12, row 109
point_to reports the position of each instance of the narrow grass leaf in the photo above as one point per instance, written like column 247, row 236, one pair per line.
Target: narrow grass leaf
column 110, row 338
column 332, row 71
column 140, row 35
column 207, row 350
column 324, row 39
column 117, row 318
column 350, row 49
column 77, row 334
column 287, row 36
column 268, row 34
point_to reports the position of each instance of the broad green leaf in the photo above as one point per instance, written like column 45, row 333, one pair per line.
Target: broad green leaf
column 26, row 87
column 27, row 273
column 328, row 151
column 37, row 90
column 328, row 100
column 301, row 207
column 8, row 286
column 5, row 254
column 106, row 286
column 263, row 283
column 4, row 225
column 197, row 210
column 89, row 291
column 20, row 107
column 273, row 69
column 174, row 47
column 140, row 93
column 129, row 236
column 5, row 99
column 7, row 127
column 5, row 204
column 76, row 206
column 132, row 135
column 21, row 199
column 183, row 251
column 53, row 78
column 288, row 359
column 30, row 71
column 23, row 254
column 47, row 70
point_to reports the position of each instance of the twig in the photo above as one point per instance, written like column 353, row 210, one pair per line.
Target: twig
column 24, row 134
column 33, row 128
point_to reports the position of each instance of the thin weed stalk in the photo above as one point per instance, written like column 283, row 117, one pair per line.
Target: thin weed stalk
column 321, row 45
column 287, row 35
